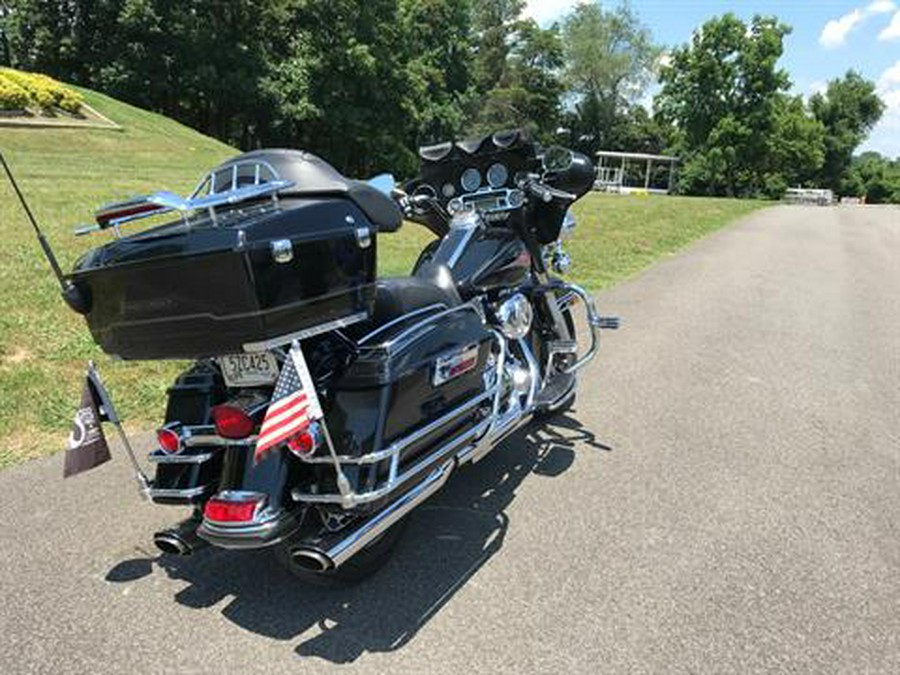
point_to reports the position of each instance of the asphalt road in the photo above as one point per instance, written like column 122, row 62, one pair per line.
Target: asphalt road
column 725, row 498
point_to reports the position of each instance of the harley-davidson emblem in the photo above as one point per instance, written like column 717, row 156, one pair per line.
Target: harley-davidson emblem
column 454, row 364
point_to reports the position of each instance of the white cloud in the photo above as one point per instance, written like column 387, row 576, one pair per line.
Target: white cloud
column 890, row 78
column 892, row 32
column 881, row 7
column 885, row 137
column 547, row 11
column 835, row 32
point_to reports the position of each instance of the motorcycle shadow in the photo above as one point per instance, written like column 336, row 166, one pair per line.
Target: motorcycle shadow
column 447, row 541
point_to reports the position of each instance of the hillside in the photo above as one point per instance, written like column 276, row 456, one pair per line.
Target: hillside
column 65, row 174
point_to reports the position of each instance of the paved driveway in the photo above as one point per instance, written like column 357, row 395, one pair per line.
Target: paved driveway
column 725, row 498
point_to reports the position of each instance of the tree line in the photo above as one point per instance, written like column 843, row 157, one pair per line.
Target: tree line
column 363, row 83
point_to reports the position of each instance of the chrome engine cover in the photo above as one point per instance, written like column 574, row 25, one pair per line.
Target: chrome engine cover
column 514, row 316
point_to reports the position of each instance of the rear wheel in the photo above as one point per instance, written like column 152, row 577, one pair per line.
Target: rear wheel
column 361, row 566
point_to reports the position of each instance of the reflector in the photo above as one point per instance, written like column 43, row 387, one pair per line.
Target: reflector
column 231, row 422
column 168, row 440
column 225, row 508
column 303, row 443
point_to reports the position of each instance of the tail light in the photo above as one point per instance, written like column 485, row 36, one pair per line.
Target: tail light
column 169, row 441
column 231, row 421
column 304, row 443
column 234, row 507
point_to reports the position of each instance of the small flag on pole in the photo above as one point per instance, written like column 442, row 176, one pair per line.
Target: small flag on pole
column 87, row 447
column 294, row 404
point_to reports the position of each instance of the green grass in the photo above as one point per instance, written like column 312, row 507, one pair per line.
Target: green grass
column 67, row 173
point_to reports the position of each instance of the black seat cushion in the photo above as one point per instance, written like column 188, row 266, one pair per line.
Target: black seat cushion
column 313, row 176
column 396, row 296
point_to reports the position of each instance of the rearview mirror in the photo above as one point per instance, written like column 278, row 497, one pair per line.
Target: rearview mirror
column 384, row 183
column 557, row 158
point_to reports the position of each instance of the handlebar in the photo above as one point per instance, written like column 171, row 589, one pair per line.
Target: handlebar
column 533, row 186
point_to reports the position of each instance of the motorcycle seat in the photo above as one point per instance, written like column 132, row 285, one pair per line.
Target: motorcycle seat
column 395, row 296
column 314, row 177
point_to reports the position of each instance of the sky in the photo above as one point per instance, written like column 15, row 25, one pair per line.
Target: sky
column 829, row 38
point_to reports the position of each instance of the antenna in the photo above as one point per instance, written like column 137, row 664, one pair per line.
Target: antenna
column 73, row 297
column 48, row 252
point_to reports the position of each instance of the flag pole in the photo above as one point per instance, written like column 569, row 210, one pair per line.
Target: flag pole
column 343, row 484
column 113, row 416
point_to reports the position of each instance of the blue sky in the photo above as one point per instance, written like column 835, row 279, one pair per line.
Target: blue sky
column 829, row 37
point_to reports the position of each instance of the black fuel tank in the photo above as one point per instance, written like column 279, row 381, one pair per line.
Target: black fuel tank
column 483, row 261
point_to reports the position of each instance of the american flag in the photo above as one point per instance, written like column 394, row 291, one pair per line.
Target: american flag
column 294, row 404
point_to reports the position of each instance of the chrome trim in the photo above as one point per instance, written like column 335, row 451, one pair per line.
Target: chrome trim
column 173, row 493
column 468, row 225
column 163, row 458
column 363, row 236
column 593, row 322
column 401, row 319
column 165, row 202
column 400, row 341
column 395, row 448
column 370, row 530
column 396, row 480
column 326, row 327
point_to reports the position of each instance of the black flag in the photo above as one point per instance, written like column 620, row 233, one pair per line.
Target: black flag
column 87, row 445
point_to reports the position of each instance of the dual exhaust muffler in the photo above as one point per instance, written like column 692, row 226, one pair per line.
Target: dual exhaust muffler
column 330, row 550
column 181, row 539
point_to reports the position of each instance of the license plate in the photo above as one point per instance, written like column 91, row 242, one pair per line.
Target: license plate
column 248, row 370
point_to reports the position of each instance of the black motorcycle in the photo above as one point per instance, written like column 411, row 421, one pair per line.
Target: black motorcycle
column 271, row 263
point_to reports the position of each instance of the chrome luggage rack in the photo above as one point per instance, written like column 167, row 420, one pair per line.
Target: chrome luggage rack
column 236, row 183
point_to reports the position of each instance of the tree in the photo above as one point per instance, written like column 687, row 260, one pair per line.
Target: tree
column 726, row 96
column 5, row 52
column 874, row 177
column 528, row 92
column 495, row 23
column 609, row 61
column 848, row 109
column 439, row 55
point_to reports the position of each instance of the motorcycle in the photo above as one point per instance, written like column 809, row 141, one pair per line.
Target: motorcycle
column 272, row 262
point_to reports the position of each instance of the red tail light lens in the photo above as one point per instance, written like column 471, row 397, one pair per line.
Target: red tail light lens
column 231, row 422
column 169, row 441
column 231, row 508
column 304, row 443
column 301, row 443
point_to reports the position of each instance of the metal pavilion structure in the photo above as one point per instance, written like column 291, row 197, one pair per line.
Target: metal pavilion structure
column 611, row 167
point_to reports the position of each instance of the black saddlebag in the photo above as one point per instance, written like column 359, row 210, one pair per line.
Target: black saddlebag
column 207, row 288
column 414, row 398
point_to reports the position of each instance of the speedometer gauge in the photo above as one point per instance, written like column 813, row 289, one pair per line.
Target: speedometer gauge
column 470, row 180
column 497, row 175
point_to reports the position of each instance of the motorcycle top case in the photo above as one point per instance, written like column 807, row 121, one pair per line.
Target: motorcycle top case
column 208, row 288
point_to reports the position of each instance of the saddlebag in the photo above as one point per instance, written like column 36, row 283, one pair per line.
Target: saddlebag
column 413, row 398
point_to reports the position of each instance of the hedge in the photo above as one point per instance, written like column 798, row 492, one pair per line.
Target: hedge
column 20, row 90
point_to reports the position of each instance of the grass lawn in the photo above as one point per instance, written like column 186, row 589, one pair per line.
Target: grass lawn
column 67, row 173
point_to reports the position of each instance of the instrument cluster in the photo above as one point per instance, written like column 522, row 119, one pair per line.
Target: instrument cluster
column 478, row 174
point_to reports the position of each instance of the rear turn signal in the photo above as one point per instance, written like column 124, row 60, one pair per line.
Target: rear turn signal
column 231, row 422
column 169, row 441
column 304, row 443
column 231, row 507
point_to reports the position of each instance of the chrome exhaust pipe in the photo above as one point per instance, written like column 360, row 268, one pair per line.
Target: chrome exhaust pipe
column 333, row 550
column 181, row 539
column 311, row 560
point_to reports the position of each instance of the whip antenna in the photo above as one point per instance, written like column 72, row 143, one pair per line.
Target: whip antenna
column 45, row 245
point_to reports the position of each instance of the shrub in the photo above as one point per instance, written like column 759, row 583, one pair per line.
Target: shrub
column 42, row 92
column 12, row 96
